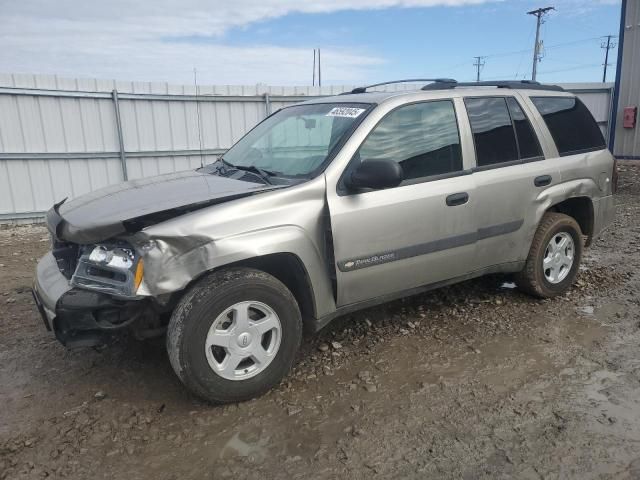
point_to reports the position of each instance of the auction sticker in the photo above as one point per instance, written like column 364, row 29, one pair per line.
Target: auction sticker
column 346, row 112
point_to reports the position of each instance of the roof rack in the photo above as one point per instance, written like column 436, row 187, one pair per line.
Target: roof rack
column 512, row 84
column 436, row 81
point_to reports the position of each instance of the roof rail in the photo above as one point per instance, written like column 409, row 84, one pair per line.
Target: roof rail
column 435, row 80
column 512, row 84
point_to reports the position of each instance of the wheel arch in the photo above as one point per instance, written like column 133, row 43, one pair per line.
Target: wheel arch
column 581, row 210
column 288, row 268
column 570, row 198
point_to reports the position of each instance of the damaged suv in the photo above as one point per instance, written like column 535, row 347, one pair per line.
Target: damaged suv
column 324, row 208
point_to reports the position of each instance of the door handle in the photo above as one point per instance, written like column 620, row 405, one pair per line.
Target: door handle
column 457, row 199
column 542, row 180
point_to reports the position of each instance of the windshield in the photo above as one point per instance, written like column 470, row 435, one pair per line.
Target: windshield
column 296, row 140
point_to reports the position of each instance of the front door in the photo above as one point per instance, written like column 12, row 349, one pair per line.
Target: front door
column 421, row 232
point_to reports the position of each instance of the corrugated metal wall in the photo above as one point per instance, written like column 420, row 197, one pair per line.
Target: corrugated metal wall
column 59, row 137
column 627, row 141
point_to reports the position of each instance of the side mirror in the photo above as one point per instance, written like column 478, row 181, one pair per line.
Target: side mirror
column 375, row 174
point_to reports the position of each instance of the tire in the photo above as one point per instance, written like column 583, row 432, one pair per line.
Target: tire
column 534, row 278
column 200, row 366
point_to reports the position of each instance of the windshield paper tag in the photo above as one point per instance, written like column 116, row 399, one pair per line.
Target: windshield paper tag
column 346, row 112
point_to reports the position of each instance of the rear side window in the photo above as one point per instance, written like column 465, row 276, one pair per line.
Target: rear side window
column 527, row 141
column 571, row 124
column 493, row 132
column 422, row 137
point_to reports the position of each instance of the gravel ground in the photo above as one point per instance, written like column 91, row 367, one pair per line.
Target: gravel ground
column 471, row 381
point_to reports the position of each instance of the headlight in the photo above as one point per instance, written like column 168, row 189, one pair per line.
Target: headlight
column 109, row 268
column 117, row 257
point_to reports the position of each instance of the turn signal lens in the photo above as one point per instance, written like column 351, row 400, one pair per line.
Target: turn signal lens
column 139, row 272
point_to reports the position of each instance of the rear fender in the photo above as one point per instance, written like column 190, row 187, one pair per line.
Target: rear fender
column 583, row 187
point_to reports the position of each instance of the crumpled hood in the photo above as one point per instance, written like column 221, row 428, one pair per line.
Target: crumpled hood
column 133, row 205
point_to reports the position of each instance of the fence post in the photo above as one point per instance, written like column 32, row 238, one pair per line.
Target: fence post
column 267, row 104
column 123, row 155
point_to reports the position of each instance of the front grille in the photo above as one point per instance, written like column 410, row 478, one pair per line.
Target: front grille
column 66, row 255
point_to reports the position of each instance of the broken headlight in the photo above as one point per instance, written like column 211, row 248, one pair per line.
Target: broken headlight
column 109, row 268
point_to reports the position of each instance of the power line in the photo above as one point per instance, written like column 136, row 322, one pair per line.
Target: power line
column 506, row 54
column 537, row 57
column 574, row 42
column 546, row 47
column 456, row 66
column 607, row 46
column 578, row 67
column 522, row 56
column 584, row 66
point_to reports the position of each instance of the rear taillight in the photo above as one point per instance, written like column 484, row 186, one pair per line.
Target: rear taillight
column 614, row 177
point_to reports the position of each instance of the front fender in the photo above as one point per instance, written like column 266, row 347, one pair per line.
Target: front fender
column 177, row 261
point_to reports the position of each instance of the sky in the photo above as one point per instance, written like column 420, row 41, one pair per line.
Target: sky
column 246, row 42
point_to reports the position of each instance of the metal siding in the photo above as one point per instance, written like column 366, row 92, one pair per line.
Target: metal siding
column 81, row 137
column 10, row 127
column 627, row 141
column 6, row 194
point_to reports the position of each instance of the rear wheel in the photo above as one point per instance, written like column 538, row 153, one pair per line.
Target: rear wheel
column 554, row 258
column 234, row 335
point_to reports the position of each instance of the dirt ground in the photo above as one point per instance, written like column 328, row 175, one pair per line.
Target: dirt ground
column 472, row 381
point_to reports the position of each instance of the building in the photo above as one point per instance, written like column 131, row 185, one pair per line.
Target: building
column 625, row 130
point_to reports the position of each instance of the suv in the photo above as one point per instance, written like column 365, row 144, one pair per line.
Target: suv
column 324, row 208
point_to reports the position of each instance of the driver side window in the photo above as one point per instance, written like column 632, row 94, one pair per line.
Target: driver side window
column 422, row 137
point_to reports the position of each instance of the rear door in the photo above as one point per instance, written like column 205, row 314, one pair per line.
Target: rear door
column 421, row 232
column 510, row 173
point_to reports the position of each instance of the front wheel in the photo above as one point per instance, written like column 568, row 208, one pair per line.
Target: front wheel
column 554, row 257
column 234, row 335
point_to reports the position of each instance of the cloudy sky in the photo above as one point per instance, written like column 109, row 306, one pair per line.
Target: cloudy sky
column 272, row 41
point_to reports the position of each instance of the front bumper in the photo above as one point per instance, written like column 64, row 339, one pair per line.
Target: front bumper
column 48, row 287
column 79, row 317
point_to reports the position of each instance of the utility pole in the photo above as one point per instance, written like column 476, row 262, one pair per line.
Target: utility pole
column 313, row 82
column 539, row 14
column 319, row 70
column 478, row 64
column 607, row 46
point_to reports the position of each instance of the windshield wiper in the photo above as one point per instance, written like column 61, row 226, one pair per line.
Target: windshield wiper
column 262, row 173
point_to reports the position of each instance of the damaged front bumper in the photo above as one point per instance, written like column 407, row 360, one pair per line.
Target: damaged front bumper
column 78, row 317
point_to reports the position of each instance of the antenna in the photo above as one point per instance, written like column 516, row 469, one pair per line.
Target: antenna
column 195, row 83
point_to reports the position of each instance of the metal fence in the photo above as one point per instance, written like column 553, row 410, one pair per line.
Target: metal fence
column 66, row 137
